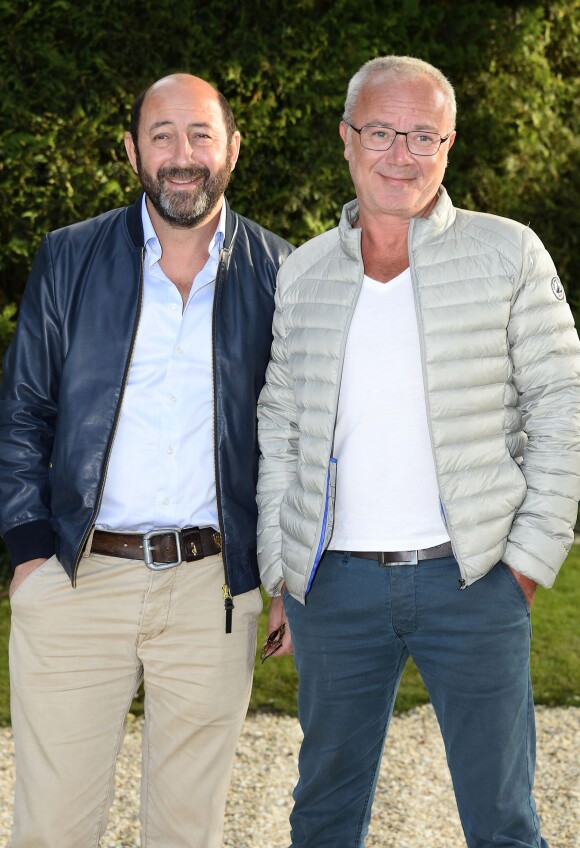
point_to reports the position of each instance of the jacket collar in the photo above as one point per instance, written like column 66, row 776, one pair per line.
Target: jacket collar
column 441, row 218
column 135, row 223
column 231, row 225
column 424, row 229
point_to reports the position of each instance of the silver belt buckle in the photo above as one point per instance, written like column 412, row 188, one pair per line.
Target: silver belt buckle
column 414, row 560
column 148, row 550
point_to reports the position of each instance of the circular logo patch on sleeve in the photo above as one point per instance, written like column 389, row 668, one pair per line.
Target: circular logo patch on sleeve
column 558, row 288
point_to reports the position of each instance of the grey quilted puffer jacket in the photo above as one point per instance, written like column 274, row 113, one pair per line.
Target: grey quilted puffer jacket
column 501, row 368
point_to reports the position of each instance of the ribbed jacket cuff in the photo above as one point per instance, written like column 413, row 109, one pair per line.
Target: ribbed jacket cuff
column 30, row 541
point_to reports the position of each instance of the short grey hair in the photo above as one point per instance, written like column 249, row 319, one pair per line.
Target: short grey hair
column 397, row 67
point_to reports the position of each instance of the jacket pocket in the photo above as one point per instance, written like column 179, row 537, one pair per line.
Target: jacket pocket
column 516, row 586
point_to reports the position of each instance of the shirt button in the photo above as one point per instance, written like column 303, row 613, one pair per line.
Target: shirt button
column 169, row 449
column 179, row 350
column 173, row 307
column 166, row 501
column 173, row 398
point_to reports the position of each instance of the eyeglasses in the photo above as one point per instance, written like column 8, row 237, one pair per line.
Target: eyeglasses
column 273, row 643
column 379, row 138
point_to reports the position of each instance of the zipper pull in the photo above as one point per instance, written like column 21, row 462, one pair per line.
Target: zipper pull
column 228, row 605
column 462, row 583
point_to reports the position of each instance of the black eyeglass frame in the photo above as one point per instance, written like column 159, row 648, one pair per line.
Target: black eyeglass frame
column 359, row 130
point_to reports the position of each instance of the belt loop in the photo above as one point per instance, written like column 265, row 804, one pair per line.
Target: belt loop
column 89, row 544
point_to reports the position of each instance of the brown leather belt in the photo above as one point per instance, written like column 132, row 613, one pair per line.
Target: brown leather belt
column 406, row 557
column 162, row 548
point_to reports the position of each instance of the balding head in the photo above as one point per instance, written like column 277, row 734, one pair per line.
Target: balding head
column 388, row 69
column 195, row 85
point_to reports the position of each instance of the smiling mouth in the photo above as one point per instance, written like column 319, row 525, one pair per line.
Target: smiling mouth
column 182, row 178
column 190, row 181
column 398, row 182
column 398, row 177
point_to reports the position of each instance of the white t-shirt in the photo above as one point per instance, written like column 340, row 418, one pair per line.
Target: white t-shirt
column 386, row 490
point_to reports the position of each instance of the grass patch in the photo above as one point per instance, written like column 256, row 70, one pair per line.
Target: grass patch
column 555, row 656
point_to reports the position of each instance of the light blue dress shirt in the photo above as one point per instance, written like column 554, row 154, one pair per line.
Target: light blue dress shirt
column 161, row 471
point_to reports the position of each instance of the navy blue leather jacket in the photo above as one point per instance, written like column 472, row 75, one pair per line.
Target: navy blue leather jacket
column 66, row 369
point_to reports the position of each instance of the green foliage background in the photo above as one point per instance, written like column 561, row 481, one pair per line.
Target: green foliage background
column 69, row 72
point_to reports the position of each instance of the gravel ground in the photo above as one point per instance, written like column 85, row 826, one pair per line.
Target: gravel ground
column 414, row 805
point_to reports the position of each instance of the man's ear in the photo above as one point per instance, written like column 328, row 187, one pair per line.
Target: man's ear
column 343, row 130
column 131, row 152
column 235, row 148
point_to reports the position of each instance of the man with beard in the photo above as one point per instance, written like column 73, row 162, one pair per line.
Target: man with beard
column 128, row 469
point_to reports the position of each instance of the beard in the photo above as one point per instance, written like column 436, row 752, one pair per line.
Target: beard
column 184, row 208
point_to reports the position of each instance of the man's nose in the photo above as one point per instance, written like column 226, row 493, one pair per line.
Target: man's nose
column 185, row 150
column 398, row 151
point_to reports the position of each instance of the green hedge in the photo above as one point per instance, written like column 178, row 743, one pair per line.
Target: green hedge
column 70, row 72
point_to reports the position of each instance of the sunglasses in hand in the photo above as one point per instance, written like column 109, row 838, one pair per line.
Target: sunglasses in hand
column 273, row 643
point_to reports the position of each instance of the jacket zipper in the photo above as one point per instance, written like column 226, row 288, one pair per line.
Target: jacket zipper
column 227, row 595
column 462, row 580
column 115, row 425
column 322, row 533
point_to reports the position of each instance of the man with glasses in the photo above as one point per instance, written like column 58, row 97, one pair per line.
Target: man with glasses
column 128, row 468
column 420, row 470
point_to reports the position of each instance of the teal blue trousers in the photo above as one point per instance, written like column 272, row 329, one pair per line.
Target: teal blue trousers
column 360, row 624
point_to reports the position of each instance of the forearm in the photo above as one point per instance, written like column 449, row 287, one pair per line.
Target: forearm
column 274, row 479
column 278, row 437
column 28, row 404
column 545, row 353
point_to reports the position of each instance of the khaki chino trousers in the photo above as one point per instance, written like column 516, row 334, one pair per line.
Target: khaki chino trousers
column 77, row 657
